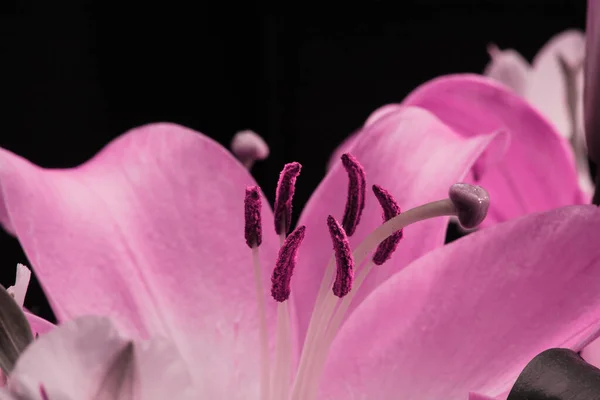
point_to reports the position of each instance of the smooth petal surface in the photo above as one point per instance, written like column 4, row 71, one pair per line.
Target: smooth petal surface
column 38, row 325
column 347, row 144
column 151, row 233
column 469, row 316
column 547, row 88
column 508, row 67
column 592, row 83
column 75, row 361
column 416, row 158
column 537, row 173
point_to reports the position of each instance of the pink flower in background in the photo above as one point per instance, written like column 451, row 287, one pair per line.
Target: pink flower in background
column 150, row 233
column 88, row 358
column 518, row 176
column 553, row 83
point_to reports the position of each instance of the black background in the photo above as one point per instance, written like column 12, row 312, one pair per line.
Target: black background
column 303, row 76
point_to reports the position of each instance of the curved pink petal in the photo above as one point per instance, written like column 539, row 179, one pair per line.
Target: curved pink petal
column 38, row 325
column 416, row 158
column 508, row 67
column 537, row 172
column 592, row 83
column 471, row 315
column 547, row 88
column 347, row 144
column 79, row 359
column 151, row 233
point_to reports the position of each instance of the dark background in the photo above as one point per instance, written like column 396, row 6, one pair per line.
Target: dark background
column 303, row 76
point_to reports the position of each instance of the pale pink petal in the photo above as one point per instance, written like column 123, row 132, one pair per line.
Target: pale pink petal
column 19, row 289
column 537, row 173
column 471, row 315
column 591, row 353
column 416, row 158
column 38, row 325
column 151, row 233
column 79, row 359
column 592, row 83
column 508, row 67
column 547, row 89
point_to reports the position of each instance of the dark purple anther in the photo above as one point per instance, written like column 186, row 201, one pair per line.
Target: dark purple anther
column 253, row 227
column 356, row 193
column 471, row 202
column 343, row 258
column 286, row 262
column 43, row 393
column 390, row 210
column 284, row 195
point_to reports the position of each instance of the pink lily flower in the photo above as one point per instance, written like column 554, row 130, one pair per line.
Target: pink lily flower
column 553, row 83
column 88, row 358
column 517, row 176
column 149, row 233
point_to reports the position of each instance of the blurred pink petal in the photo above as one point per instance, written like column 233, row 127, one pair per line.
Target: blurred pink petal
column 416, row 158
column 154, row 240
column 547, row 89
column 79, row 360
column 38, row 325
column 19, row 289
column 520, row 182
column 470, row 315
column 508, row 67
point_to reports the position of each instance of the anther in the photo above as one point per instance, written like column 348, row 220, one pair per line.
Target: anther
column 343, row 258
column 471, row 202
column 43, row 393
column 284, row 195
column 286, row 262
column 355, row 203
column 390, row 210
column 253, row 226
column 249, row 147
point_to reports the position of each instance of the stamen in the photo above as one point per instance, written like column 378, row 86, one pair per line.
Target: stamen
column 286, row 262
column 356, row 193
column 468, row 202
column 43, row 393
column 343, row 258
column 471, row 202
column 284, row 195
column 253, row 226
column 253, row 234
column 390, row 210
column 248, row 147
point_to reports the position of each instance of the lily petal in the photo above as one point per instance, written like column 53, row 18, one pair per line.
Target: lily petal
column 416, row 158
column 347, row 144
column 79, row 359
column 547, row 88
column 19, row 289
column 470, row 315
column 521, row 182
column 155, row 241
column 38, row 325
column 508, row 67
